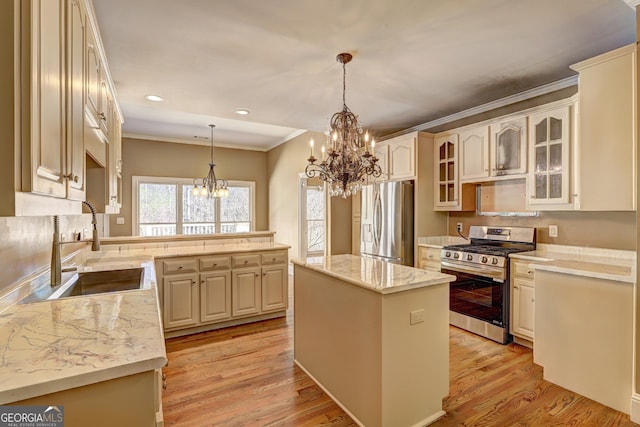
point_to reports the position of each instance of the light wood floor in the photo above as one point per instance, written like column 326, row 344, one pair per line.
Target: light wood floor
column 245, row 376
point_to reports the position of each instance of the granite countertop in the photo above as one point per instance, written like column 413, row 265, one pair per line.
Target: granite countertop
column 372, row 274
column 608, row 264
column 53, row 345
column 438, row 242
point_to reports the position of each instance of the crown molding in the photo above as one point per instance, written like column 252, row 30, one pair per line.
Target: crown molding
column 498, row 103
column 632, row 3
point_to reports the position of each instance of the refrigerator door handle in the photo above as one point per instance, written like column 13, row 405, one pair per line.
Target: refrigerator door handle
column 377, row 220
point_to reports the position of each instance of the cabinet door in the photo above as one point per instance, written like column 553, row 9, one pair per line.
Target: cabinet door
column 446, row 171
column 523, row 308
column 382, row 153
column 274, row 288
column 93, row 80
column 549, row 175
column 76, row 48
column 509, row 147
column 113, row 160
column 215, row 296
column 474, row 154
column 48, row 98
column 180, row 300
column 245, row 297
column 402, row 158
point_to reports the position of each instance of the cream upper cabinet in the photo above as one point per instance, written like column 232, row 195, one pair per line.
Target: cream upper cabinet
column 447, row 195
column 607, row 131
column 550, row 165
column 474, row 154
column 402, row 157
column 48, row 98
column 509, row 147
column 397, row 158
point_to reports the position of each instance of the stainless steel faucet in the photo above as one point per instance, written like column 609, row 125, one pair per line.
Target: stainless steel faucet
column 56, row 259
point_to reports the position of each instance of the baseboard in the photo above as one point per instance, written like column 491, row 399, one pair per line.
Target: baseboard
column 432, row 418
column 635, row 408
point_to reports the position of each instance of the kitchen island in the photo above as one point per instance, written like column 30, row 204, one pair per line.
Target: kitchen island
column 374, row 336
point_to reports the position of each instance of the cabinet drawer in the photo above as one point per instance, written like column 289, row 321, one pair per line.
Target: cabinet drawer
column 215, row 263
column 173, row 266
column 522, row 269
column 274, row 257
column 245, row 260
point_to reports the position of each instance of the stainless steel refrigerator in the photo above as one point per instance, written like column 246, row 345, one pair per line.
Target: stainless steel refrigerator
column 386, row 215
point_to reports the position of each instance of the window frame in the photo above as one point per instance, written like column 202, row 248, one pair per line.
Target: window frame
column 179, row 182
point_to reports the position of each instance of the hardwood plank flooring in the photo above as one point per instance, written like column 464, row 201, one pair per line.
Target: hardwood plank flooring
column 245, row 376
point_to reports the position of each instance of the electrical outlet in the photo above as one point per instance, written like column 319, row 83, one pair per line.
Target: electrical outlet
column 416, row 316
column 553, row 231
column 459, row 227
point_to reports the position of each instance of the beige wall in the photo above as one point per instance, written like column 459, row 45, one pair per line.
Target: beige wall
column 612, row 230
column 285, row 163
column 154, row 158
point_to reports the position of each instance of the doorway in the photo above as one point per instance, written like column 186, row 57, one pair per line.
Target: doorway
column 312, row 217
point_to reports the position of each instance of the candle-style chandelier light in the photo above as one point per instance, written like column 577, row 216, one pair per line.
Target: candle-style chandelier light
column 210, row 186
column 348, row 157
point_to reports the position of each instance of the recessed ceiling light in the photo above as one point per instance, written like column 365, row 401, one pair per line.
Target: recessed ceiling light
column 242, row 111
column 154, row 98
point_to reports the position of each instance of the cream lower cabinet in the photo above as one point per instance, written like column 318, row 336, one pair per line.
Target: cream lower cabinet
column 522, row 300
column 213, row 289
column 429, row 258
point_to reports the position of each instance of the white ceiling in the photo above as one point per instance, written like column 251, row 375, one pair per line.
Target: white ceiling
column 414, row 60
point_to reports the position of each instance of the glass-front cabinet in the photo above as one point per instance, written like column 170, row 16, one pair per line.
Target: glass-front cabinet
column 549, row 153
column 446, row 172
column 509, row 147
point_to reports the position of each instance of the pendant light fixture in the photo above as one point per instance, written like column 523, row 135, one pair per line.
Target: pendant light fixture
column 347, row 158
column 210, row 186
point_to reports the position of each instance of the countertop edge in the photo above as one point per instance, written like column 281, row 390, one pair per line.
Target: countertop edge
column 551, row 267
column 444, row 279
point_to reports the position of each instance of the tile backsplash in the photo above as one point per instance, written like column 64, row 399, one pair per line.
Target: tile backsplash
column 25, row 244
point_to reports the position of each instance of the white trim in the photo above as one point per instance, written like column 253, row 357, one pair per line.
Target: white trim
column 498, row 103
column 632, row 3
column 133, row 135
column 616, row 53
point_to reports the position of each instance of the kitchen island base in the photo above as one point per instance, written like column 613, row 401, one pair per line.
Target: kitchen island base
column 382, row 357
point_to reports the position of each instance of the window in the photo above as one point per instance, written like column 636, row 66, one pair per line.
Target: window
column 166, row 206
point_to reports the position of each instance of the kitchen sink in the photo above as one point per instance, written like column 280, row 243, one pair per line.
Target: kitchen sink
column 100, row 282
column 91, row 283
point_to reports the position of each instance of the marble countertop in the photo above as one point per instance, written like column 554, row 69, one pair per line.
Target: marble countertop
column 372, row 274
column 54, row 345
column 439, row 241
column 164, row 250
column 608, row 264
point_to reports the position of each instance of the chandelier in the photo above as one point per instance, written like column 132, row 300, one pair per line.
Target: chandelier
column 210, row 186
column 347, row 159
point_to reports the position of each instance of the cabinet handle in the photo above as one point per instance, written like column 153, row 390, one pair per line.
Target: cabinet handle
column 72, row 177
column 102, row 116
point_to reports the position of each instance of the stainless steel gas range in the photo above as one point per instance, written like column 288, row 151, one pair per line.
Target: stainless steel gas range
column 479, row 297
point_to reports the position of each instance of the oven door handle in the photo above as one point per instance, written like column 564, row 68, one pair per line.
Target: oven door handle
column 495, row 274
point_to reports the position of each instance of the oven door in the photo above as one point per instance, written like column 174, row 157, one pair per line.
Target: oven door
column 477, row 296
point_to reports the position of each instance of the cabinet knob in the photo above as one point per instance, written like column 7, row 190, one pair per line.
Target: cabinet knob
column 529, row 271
column 72, row 177
column 202, row 281
column 164, row 377
column 245, row 261
column 257, row 275
column 102, row 116
column 179, row 267
column 193, row 282
column 515, row 287
column 273, row 259
column 533, row 300
column 215, row 265
column 164, row 385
